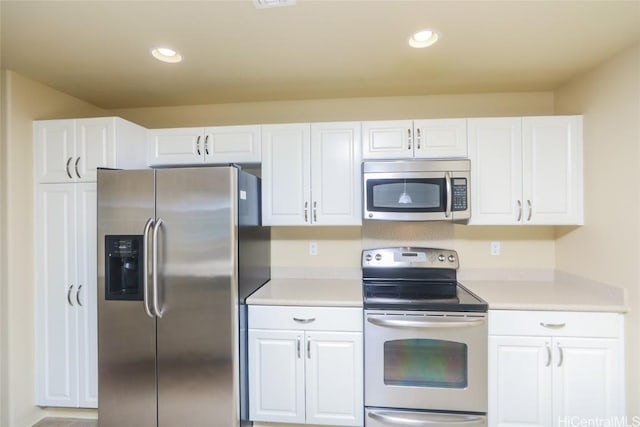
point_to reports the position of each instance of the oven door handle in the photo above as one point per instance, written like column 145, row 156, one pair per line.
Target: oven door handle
column 417, row 419
column 427, row 323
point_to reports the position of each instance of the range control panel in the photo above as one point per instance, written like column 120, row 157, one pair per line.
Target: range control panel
column 411, row 257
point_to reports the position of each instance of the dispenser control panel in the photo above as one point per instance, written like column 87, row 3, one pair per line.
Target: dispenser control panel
column 124, row 267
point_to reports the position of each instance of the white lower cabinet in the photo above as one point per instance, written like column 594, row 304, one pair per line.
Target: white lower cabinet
column 555, row 368
column 305, row 365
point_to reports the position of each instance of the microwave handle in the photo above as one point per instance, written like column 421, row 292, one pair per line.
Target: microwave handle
column 447, row 178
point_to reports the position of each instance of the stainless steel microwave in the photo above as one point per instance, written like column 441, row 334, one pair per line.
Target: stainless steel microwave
column 416, row 190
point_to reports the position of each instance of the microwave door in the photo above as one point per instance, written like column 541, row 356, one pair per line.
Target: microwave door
column 406, row 198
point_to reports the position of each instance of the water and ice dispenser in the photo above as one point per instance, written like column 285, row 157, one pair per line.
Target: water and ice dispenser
column 124, row 267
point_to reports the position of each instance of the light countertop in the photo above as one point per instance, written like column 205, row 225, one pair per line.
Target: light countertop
column 558, row 291
column 563, row 293
column 309, row 292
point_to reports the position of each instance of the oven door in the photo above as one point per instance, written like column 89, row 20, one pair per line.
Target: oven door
column 426, row 360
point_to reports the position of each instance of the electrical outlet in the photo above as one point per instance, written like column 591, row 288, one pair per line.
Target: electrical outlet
column 313, row 248
column 495, row 248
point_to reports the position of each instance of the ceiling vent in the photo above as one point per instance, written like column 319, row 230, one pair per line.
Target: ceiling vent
column 263, row 4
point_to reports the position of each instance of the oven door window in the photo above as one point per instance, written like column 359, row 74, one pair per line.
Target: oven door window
column 425, row 363
column 411, row 195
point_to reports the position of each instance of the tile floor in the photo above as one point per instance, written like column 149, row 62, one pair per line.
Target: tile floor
column 66, row 422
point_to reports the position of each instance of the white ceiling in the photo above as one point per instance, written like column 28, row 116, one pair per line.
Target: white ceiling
column 99, row 50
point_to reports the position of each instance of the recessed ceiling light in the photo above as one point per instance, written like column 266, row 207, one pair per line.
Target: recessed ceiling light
column 165, row 54
column 424, row 38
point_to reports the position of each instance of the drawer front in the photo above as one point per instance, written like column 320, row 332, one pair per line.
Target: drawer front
column 305, row 318
column 555, row 323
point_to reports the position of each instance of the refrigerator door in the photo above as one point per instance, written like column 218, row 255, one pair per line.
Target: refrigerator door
column 126, row 334
column 197, row 297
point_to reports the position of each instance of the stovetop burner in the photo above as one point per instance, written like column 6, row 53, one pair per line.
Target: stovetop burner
column 413, row 278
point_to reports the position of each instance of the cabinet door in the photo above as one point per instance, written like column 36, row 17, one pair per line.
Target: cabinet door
column 390, row 139
column 587, row 379
column 54, row 150
column 276, row 376
column 440, row 138
column 232, row 144
column 334, row 378
column 56, row 346
column 336, row 173
column 95, row 147
column 495, row 151
column 552, row 170
column 520, row 381
column 179, row 146
column 286, row 190
column 85, row 295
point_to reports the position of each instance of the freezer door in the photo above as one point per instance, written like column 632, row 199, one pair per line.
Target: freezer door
column 126, row 334
column 197, row 297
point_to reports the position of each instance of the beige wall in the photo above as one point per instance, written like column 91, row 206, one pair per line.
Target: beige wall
column 607, row 247
column 402, row 107
column 26, row 101
column 3, row 270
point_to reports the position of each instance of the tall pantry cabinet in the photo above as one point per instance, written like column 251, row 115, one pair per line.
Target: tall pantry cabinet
column 67, row 154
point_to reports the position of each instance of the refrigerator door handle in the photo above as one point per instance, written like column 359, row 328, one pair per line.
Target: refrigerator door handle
column 145, row 268
column 156, row 304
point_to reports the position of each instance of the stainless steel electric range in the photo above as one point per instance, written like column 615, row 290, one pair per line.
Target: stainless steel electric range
column 425, row 340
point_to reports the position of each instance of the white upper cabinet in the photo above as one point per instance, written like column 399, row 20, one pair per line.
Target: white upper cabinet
column 407, row 139
column 72, row 150
column 552, row 169
column 219, row 144
column 175, row 146
column 336, row 177
column 311, row 174
column 495, row 150
column 526, row 170
column 286, row 175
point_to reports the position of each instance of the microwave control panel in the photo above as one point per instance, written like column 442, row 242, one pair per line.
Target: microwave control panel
column 459, row 194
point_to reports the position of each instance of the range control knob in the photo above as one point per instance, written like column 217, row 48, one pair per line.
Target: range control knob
column 441, row 258
column 378, row 257
column 452, row 258
column 368, row 257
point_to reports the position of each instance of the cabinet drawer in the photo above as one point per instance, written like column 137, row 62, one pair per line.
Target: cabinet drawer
column 555, row 323
column 305, row 318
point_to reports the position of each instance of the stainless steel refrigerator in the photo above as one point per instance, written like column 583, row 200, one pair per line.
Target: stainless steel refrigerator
column 179, row 251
